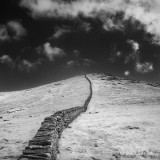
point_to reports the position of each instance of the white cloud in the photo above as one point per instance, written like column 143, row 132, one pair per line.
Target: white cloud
column 134, row 55
column 17, row 29
column 6, row 59
column 52, row 52
column 21, row 65
column 112, row 23
column 87, row 63
column 118, row 54
column 26, row 65
column 4, row 36
column 85, row 26
column 12, row 30
column 115, row 56
column 59, row 31
column 145, row 11
column 53, row 8
column 127, row 73
column 135, row 45
column 79, row 63
column 62, row 30
column 72, row 64
column 145, row 67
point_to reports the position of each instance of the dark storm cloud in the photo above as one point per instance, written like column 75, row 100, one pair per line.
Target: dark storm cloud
column 147, row 12
column 12, row 30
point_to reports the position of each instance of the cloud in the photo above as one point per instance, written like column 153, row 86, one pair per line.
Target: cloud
column 4, row 35
column 62, row 30
column 134, row 58
column 145, row 11
column 21, row 65
column 145, row 67
column 134, row 55
column 127, row 73
column 87, row 63
column 112, row 23
column 59, row 31
column 115, row 54
column 76, row 53
column 53, row 8
column 12, row 30
column 77, row 62
column 135, row 45
column 52, row 52
column 80, row 63
column 6, row 59
column 16, row 29
column 85, row 26
column 26, row 65
column 72, row 64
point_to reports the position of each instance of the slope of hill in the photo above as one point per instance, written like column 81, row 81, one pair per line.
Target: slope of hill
column 22, row 112
column 121, row 123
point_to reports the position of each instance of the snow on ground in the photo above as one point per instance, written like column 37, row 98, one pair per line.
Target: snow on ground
column 121, row 123
column 22, row 112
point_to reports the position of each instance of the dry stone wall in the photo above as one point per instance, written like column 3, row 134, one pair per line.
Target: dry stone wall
column 44, row 145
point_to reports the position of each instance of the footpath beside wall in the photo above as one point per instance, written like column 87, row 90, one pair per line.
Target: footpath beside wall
column 44, row 145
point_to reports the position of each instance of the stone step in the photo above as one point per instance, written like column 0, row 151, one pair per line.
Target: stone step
column 40, row 142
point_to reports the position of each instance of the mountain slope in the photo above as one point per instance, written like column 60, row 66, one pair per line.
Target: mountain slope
column 121, row 123
column 23, row 111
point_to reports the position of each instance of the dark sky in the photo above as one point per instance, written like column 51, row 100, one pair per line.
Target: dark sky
column 42, row 41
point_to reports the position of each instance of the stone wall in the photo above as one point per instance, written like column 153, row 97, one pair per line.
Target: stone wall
column 44, row 145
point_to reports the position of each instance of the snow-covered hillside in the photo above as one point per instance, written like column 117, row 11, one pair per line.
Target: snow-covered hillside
column 22, row 112
column 121, row 123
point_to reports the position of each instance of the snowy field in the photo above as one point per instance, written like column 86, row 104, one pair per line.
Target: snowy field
column 22, row 112
column 121, row 123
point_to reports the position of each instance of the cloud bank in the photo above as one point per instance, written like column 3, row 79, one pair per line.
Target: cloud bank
column 21, row 65
column 145, row 11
